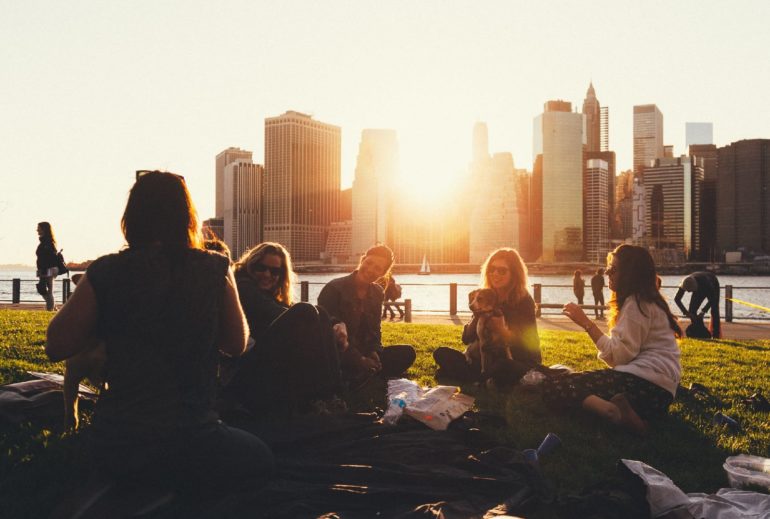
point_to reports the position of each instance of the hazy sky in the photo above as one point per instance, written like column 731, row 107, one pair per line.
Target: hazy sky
column 91, row 91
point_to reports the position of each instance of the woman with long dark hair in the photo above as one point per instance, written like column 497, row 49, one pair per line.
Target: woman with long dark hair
column 354, row 303
column 504, row 272
column 641, row 349
column 47, row 263
column 163, row 306
column 294, row 359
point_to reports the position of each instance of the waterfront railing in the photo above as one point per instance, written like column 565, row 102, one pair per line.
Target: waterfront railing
column 23, row 292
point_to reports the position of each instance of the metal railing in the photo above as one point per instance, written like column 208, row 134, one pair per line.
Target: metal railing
column 22, row 292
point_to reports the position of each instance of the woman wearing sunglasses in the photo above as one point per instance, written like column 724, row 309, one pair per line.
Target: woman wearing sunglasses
column 641, row 349
column 505, row 273
column 294, row 358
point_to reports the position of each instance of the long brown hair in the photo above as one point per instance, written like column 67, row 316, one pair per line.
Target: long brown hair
column 283, row 290
column 517, row 268
column 160, row 211
column 47, row 233
column 636, row 277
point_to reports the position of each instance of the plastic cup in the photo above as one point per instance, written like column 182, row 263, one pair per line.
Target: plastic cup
column 549, row 443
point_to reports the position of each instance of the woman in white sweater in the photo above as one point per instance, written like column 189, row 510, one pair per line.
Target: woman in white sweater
column 641, row 349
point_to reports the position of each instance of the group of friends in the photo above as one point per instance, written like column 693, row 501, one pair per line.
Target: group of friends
column 186, row 332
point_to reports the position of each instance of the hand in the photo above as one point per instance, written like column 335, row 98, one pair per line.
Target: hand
column 577, row 315
column 341, row 336
column 376, row 358
column 370, row 364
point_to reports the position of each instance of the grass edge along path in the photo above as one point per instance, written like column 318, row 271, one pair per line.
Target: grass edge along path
column 37, row 464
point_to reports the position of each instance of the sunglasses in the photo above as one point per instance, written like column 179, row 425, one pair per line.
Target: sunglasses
column 498, row 270
column 259, row 267
column 142, row 172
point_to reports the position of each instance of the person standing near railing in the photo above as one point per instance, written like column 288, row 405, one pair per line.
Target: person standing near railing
column 578, row 286
column 46, row 263
column 597, row 287
column 704, row 287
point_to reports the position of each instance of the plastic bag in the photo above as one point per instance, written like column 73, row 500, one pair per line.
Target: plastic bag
column 401, row 392
column 533, row 377
column 439, row 406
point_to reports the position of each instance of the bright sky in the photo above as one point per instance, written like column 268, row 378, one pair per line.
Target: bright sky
column 91, row 91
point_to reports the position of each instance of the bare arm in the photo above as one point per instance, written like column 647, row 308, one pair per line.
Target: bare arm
column 233, row 330
column 73, row 328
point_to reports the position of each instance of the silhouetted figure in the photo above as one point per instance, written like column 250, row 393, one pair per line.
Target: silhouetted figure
column 597, row 287
column 47, row 263
column 578, row 286
column 392, row 294
column 704, row 287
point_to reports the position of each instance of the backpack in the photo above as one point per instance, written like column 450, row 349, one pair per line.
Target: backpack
column 61, row 264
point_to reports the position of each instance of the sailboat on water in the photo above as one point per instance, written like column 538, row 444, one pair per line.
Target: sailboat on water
column 425, row 267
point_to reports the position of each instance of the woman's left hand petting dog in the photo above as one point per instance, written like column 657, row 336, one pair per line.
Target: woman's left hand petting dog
column 86, row 364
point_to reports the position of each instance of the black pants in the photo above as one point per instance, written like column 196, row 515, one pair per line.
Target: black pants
column 454, row 364
column 295, row 361
column 396, row 359
column 599, row 300
column 387, row 307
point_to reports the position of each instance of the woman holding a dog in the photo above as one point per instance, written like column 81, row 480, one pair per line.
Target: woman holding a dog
column 294, row 358
column 641, row 349
column 163, row 307
column 354, row 303
column 516, row 325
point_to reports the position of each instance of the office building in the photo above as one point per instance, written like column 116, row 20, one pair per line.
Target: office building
column 338, row 244
column 648, row 136
column 593, row 120
column 704, row 159
column 243, row 206
column 224, row 158
column 672, row 192
column 623, row 215
column 494, row 221
column 376, row 173
column 597, row 236
column 698, row 133
column 743, row 196
column 302, row 183
column 558, row 141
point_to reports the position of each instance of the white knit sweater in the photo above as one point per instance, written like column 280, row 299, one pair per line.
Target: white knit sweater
column 643, row 344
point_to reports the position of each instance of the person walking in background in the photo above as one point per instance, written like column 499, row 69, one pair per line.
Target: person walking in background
column 356, row 300
column 578, row 286
column 597, row 287
column 704, row 287
column 392, row 294
column 163, row 307
column 47, row 263
column 641, row 349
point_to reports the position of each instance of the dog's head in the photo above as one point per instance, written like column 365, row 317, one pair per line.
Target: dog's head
column 482, row 300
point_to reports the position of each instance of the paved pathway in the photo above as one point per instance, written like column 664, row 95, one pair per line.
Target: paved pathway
column 740, row 330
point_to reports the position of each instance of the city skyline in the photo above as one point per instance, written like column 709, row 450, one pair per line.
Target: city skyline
column 131, row 86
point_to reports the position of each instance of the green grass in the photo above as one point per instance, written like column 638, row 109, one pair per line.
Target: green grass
column 36, row 466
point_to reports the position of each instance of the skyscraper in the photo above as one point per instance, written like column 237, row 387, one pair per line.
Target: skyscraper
column 558, row 139
column 376, row 173
column 593, row 121
column 648, row 136
column 698, row 133
column 743, row 196
column 243, row 205
column 671, row 205
column 302, row 182
column 494, row 220
column 704, row 159
column 223, row 159
column 597, row 237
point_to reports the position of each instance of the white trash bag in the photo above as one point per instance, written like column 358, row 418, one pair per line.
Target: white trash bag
column 439, row 406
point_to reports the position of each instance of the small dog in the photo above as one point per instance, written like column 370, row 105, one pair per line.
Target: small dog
column 86, row 364
column 489, row 347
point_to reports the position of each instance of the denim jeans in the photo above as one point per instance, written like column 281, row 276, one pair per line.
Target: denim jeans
column 48, row 291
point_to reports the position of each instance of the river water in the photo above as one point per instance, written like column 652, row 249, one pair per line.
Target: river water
column 431, row 293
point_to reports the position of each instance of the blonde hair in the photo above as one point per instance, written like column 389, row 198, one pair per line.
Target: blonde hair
column 283, row 291
column 517, row 268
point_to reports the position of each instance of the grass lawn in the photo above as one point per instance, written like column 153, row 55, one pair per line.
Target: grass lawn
column 37, row 465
